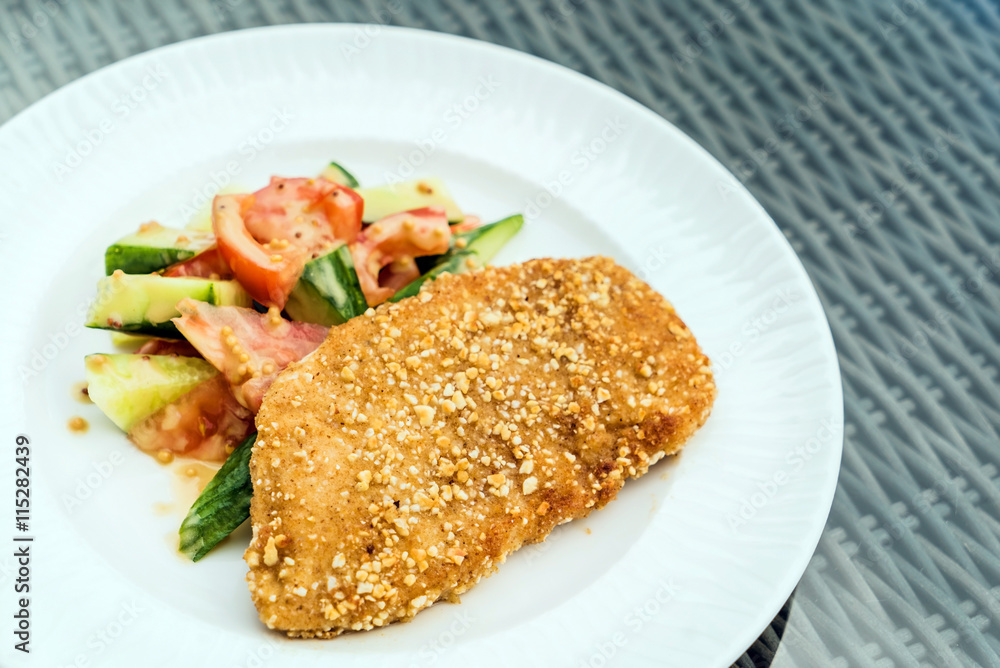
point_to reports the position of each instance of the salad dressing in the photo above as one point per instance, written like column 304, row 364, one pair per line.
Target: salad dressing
column 79, row 392
column 78, row 425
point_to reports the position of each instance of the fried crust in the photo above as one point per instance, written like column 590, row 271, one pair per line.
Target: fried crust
column 425, row 441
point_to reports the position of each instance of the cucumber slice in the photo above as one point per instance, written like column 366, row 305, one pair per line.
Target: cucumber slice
column 469, row 250
column 128, row 341
column 222, row 506
column 382, row 201
column 328, row 292
column 145, row 303
column 335, row 172
column 154, row 247
column 128, row 388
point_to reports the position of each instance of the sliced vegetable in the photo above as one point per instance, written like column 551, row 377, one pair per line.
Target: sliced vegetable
column 328, row 292
column 223, row 505
column 384, row 252
column 312, row 214
column 206, row 264
column 205, row 423
column 469, row 250
column 131, row 342
column 127, row 388
column 154, row 247
column 145, row 303
column 335, row 172
column 267, row 273
column 249, row 348
column 382, row 201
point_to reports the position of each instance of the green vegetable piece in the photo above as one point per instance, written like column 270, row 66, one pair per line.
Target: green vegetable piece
column 154, row 247
column 222, row 506
column 382, row 201
column 145, row 303
column 338, row 174
column 328, row 291
column 127, row 388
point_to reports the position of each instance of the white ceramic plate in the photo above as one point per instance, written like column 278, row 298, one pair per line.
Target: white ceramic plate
column 684, row 569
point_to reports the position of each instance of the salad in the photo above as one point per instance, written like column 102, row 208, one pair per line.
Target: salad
column 219, row 312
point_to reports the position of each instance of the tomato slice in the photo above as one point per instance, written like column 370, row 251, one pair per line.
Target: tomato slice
column 268, row 273
column 206, row 264
column 249, row 348
column 392, row 243
column 206, row 423
column 315, row 215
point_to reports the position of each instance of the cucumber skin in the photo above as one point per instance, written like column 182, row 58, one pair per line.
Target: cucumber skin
column 138, row 260
column 222, row 506
column 128, row 288
column 328, row 291
column 482, row 243
column 338, row 174
column 154, row 248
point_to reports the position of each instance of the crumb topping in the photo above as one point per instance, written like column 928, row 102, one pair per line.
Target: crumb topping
column 419, row 445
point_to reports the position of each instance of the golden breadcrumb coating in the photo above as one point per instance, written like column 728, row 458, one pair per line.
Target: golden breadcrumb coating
column 425, row 441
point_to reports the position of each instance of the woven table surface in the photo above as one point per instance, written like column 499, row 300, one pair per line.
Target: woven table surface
column 869, row 130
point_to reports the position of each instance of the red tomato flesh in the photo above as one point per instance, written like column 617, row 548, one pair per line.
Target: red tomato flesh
column 249, row 348
column 392, row 243
column 206, row 424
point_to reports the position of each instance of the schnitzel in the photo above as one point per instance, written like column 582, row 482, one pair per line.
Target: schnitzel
column 425, row 441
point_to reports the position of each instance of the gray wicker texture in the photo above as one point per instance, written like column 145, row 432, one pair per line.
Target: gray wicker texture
column 869, row 130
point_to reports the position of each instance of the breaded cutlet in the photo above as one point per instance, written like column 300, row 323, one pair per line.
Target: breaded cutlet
column 425, row 441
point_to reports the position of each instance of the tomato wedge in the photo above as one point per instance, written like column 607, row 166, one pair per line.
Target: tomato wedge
column 315, row 215
column 268, row 273
column 206, row 264
column 206, row 423
column 391, row 243
column 249, row 348
column 267, row 237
